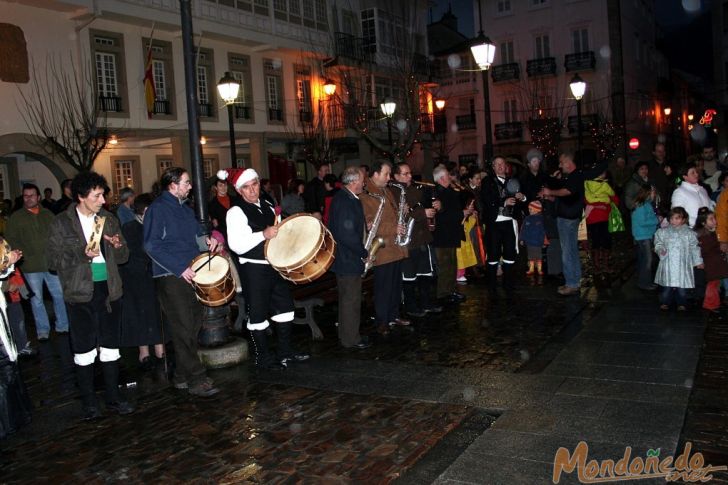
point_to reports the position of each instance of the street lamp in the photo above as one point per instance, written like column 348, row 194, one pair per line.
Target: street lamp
column 667, row 111
column 440, row 104
column 388, row 107
column 578, row 88
column 228, row 88
column 483, row 51
column 329, row 87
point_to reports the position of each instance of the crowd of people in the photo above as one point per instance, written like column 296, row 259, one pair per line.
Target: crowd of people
column 124, row 279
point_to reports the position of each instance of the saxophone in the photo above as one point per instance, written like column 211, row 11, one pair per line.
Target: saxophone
column 373, row 243
column 403, row 218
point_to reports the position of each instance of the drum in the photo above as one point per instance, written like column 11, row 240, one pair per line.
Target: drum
column 303, row 250
column 4, row 255
column 213, row 282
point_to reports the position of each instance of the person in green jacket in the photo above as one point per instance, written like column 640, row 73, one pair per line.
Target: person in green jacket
column 27, row 230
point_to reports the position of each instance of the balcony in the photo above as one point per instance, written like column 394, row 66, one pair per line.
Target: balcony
column 509, row 131
column 581, row 61
column 241, row 112
column 110, row 103
column 506, row 72
column 275, row 114
column 205, row 110
column 587, row 121
column 161, row 107
column 351, row 48
column 465, row 122
column 545, row 66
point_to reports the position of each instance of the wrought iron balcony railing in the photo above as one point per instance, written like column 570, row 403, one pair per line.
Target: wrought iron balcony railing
column 161, row 107
column 241, row 112
column 581, row 61
column 465, row 122
column 545, row 66
column 110, row 103
column 350, row 47
column 509, row 131
column 275, row 114
column 205, row 110
column 506, row 72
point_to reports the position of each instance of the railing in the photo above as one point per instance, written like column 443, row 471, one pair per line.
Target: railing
column 161, row 107
column 545, row 66
column 509, row 131
column 275, row 114
column 581, row 61
column 587, row 121
column 205, row 110
column 350, row 47
column 506, row 72
column 110, row 103
column 241, row 112
column 465, row 122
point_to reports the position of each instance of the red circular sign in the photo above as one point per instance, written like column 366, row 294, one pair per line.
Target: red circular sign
column 634, row 143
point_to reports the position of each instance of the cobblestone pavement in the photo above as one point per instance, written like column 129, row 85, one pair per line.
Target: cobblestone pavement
column 706, row 421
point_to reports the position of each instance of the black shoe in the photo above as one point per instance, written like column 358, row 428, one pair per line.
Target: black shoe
column 90, row 412
column 28, row 351
column 204, row 389
column 295, row 357
column 362, row 344
column 121, row 407
column 433, row 309
column 271, row 366
column 43, row 337
column 417, row 313
column 146, row 364
column 458, row 297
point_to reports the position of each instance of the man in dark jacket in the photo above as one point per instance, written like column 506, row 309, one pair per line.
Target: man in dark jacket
column 346, row 223
column 448, row 234
column 501, row 229
column 314, row 193
column 172, row 239
column 85, row 246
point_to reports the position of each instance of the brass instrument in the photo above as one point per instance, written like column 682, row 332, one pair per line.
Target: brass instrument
column 373, row 243
column 403, row 217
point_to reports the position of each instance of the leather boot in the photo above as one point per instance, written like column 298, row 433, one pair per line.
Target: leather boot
column 263, row 357
column 286, row 353
column 492, row 278
column 113, row 397
column 509, row 283
column 409, row 290
column 85, row 379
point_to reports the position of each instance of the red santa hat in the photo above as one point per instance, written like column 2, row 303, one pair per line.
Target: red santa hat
column 237, row 176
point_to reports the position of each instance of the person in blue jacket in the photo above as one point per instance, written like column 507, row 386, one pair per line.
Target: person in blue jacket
column 347, row 226
column 644, row 226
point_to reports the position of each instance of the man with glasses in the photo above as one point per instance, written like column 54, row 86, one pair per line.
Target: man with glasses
column 172, row 239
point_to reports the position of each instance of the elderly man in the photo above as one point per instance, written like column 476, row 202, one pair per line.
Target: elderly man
column 346, row 222
column 448, row 234
column 27, row 230
column 388, row 263
column 85, row 246
column 569, row 208
column 172, row 239
column 125, row 212
column 251, row 221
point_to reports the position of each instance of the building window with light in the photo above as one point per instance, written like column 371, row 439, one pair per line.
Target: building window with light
column 205, row 95
column 107, row 50
column 125, row 174
column 210, row 166
column 273, row 72
column 239, row 68
column 303, row 93
column 543, row 46
column 580, row 40
column 369, row 30
column 162, row 75
column 163, row 163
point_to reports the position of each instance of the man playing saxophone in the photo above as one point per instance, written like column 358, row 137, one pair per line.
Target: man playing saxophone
column 418, row 267
column 387, row 269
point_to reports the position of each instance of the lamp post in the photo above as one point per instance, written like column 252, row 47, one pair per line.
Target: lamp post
column 388, row 107
column 228, row 88
column 483, row 51
column 578, row 88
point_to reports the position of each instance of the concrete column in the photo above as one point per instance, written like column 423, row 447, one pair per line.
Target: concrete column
column 181, row 150
column 259, row 154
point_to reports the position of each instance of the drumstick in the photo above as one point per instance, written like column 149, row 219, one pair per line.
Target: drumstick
column 203, row 264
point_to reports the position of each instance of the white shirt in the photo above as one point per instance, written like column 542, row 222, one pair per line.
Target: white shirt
column 240, row 236
column 691, row 197
column 87, row 224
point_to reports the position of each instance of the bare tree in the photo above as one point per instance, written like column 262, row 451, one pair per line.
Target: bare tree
column 63, row 111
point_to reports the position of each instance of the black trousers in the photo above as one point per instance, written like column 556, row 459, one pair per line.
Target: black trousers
column 349, row 287
column 500, row 241
column 266, row 295
column 93, row 324
column 446, row 271
column 387, row 291
column 184, row 315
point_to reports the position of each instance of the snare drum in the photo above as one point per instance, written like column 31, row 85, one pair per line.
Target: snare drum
column 303, row 250
column 213, row 282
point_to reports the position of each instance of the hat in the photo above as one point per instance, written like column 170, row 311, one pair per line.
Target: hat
column 535, row 206
column 237, row 176
column 534, row 153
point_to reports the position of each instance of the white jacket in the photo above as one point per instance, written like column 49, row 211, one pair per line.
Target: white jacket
column 691, row 197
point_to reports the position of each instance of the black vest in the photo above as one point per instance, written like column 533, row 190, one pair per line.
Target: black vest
column 258, row 219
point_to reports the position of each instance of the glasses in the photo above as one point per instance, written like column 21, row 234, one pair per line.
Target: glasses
column 184, row 182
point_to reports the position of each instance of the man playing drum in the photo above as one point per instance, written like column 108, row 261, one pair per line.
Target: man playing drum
column 251, row 221
column 172, row 239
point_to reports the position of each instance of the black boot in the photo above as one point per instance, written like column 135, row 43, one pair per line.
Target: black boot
column 410, row 299
column 286, row 353
column 85, row 379
column 113, row 397
column 263, row 357
column 509, row 283
column 426, row 285
column 493, row 279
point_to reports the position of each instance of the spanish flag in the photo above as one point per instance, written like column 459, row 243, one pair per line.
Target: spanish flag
column 149, row 93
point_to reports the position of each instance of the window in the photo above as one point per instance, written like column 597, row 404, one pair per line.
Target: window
column 125, row 174
column 280, row 9
column 506, row 52
column 107, row 53
column 294, row 14
column 309, row 16
column 510, row 111
column 162, row 75
column 321, row 17
column 274, row 89
column 580, row 40
column 261, row 7
column 209, row 166
column 504, row 6
column 205, row 90
column 543, row 47
column 239, row 67
column 303, row 93
column 163, row 163
column 369, row 30
column 202, row 85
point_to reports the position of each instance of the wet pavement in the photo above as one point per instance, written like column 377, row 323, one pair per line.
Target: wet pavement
column 484, row 393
